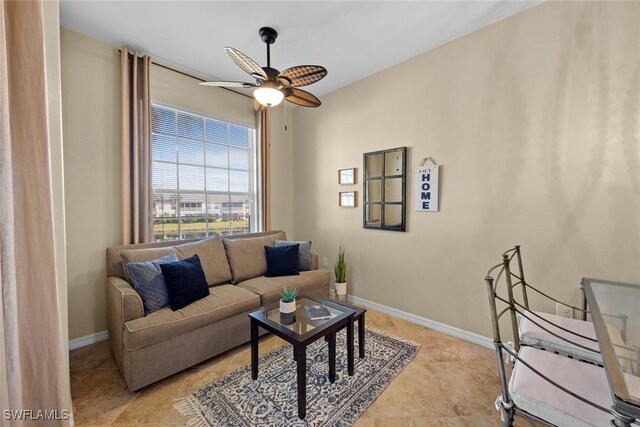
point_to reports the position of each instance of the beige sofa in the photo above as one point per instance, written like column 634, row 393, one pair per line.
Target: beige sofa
column 149, row 348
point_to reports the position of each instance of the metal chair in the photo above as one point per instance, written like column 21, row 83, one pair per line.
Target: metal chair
column 544, row 386
column 565, row 336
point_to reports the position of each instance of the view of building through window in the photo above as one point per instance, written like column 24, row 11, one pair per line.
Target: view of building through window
column 203, row 176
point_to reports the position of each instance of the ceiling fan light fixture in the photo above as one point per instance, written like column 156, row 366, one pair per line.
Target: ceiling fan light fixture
column 268, row 96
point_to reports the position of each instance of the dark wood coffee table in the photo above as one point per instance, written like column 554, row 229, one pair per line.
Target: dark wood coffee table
column 300, row 332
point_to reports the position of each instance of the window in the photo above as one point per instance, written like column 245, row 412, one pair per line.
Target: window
column 204, row 176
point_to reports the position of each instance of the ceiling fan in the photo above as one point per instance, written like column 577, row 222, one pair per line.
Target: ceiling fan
column 272, row 86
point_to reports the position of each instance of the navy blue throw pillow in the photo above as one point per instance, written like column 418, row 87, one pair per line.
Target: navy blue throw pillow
column 282, row 261
column 185, row 282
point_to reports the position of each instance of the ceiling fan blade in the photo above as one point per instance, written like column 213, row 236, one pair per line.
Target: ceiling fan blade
column 257, row 106
column 302, row 98
column 228, row 84
column 247, row 64
column 302, row 75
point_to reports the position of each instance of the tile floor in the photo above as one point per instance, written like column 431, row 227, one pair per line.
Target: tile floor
column 450, row 382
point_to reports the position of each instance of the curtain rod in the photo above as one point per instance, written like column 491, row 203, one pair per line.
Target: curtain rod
column 189, row 75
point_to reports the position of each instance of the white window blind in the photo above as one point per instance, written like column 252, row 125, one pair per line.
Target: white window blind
column 204, row 176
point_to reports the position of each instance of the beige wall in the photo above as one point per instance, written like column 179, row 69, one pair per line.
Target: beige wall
column 282, row 170
column 177, row 90
column 536, row 123
column 91, row 123
column 51, row 18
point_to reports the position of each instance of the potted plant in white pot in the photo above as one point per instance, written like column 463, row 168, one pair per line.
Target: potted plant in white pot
column 288, row 299
column 341, row 272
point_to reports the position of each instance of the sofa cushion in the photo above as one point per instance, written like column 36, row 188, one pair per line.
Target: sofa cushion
column 304, row 252
column 212, row 257
column 246, row 255
column 224, row 301
column 282, row 261
column 148, row 281
column 268, row 287
column 143, row 255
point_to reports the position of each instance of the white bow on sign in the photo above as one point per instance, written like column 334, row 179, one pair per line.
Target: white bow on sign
column 426, row 187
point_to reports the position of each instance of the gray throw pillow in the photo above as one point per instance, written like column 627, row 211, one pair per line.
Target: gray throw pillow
column 304, row 253
column 148, row 281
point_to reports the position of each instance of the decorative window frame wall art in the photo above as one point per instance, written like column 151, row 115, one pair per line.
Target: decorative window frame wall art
column 384, row 182
column 347, row 176
column 348, row 199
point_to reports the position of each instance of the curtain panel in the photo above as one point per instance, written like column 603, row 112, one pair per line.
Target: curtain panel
column 265, row 166
column 137, row 193
column 32, row 363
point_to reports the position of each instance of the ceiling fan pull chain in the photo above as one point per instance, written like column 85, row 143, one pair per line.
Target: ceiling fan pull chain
column 285, row 116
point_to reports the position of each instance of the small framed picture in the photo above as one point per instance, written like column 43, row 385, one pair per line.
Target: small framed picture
column 347, row 176
column 348, row 199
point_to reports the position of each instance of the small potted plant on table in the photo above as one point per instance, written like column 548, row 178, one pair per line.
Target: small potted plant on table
column 341, row 273
column 288, row 299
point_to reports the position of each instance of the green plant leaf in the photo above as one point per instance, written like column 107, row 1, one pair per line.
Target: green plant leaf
column 288, row 294
column 340, row 268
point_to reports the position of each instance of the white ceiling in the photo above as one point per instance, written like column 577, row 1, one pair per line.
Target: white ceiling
column 352, row 39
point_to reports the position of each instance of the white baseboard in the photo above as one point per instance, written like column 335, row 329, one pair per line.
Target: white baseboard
column 423, row 321
column 88, row 339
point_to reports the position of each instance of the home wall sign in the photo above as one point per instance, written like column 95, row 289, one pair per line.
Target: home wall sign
column 426, row 186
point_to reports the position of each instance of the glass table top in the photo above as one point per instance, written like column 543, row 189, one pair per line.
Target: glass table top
column 299, row 322
column 615, row 312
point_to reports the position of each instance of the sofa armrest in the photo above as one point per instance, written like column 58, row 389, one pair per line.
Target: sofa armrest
column 126, row 301
column 123, row 304
column 314, row 261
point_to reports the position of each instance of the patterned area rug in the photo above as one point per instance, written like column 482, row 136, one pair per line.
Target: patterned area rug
column 271, row 400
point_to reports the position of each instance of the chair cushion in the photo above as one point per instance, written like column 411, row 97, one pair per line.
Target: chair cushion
column 143, row 255
column 304, row 252
column 246, row 255
column 212, row 257
column 224, row 301
column 535, row 395
column 148, row 281
column 282, row 261
column 185, row 281
column 532, row 335
column 268, row 287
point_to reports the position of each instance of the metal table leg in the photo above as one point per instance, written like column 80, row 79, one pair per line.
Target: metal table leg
column 620, row 420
